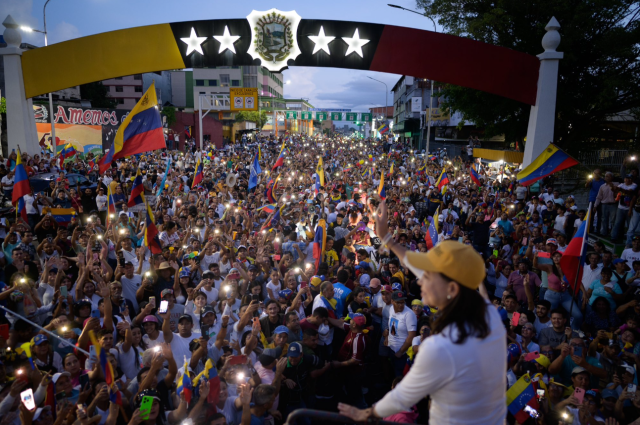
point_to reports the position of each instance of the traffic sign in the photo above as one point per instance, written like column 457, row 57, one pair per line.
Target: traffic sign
column 244, row 99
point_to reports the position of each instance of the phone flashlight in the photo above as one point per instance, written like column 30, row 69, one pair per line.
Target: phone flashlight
column 240, row 376
column 184, row 246
column 111, row 215
column 99, row 236
column 217, row 231
column 297, row 270
column 633, row 158
column 156, row 349
column 23, row 280
column 227, row 288
column 64, row 329
column 277, row 239
column 89, row 220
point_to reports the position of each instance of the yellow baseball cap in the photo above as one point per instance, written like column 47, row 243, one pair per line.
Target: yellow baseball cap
column 453, row 259
column 544, row 361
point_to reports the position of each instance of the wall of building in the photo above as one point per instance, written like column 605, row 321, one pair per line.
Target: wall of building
column 127, row 90
column 210, row 127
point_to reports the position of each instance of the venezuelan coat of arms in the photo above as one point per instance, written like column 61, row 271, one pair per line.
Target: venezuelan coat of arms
column 274, row 37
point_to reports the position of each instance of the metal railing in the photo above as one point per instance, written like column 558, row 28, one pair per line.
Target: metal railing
column 321, row 415
column 603, row 157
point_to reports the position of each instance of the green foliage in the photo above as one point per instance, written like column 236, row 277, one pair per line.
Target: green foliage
column 170, row 113
column 3, row 105
column 598, row 76
column 98, row 94
column 260, row 118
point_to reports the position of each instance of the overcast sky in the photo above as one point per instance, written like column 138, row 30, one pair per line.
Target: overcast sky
column 324, row 87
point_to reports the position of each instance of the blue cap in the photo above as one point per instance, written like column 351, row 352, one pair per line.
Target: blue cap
column 285, row 293
column 396, row 286
column 39, row 339
column 295, row 350
column 607, row 393
column 618, row 261
column 184, row 273
column 281, row 330
column 362, row 265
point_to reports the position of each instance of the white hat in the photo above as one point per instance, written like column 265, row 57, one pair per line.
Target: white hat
column 57, row 376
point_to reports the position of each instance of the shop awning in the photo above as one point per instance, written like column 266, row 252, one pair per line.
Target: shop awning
column 496, row 155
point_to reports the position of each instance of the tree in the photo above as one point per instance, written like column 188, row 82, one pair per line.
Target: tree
column 598, row 77
column 3, row 105
column 260, row 118
column 170, row 113
column 98, row 94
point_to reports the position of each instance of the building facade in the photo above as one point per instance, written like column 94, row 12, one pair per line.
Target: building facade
column 126, row 90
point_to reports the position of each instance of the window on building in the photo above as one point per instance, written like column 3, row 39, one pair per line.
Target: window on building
column 202, row 92
column 199, row 83
column 235, row 83
column 235, row 67
column 120, row 101
column 138, row 89
column 250, row 81
column 118, row 78
column 119, row 89
column 213, row 83
column 137, row 77
column 224, row 80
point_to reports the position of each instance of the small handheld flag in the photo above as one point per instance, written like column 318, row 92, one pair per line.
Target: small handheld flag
column 381, row 192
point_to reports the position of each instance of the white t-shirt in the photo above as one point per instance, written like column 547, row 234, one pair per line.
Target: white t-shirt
column 442, row 370
column 629, row 256
column 212, row 295
column 130, row 287
column 400, row 324
column 152, row 343
column 128, row 361
column 180, row 347
column 274, row 287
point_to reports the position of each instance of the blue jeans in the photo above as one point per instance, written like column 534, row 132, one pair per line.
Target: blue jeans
column 564, row 299
column 608, row 215
column 622, row 218
column 542, row 292
column 634, row 227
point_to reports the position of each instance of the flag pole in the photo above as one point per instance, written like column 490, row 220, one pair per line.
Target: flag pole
column 584, row 242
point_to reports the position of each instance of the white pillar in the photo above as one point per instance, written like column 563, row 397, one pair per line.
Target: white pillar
column 543, row 114
column 21, row 123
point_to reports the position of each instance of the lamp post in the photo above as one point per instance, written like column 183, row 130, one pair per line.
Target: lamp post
column 435, row 29
column 28, row 29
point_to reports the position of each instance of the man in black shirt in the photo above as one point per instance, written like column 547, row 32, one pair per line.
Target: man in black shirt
column 480, row 229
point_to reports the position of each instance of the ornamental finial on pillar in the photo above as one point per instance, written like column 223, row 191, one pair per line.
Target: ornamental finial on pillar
column 551, row 39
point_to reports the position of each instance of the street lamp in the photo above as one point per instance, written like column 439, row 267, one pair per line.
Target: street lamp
column 435, row 29
column 29, row 29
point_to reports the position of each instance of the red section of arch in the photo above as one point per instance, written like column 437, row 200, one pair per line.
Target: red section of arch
column 456, row 60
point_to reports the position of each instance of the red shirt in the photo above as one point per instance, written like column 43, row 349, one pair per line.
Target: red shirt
column 305, row 324
column 353, row 346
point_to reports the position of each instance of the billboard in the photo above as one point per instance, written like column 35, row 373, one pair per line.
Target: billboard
column 244, row 99
column 416, row 104
column 87, row 129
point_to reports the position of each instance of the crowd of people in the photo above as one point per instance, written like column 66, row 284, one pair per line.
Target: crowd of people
column 308, row 286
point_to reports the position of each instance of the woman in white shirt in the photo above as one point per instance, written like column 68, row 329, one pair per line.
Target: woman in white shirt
column 501, row 281
column 449, row 276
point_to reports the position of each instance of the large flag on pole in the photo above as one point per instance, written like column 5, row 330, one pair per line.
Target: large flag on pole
column 551, row 160
column 255, row 170
column 443, row 180
column 20, row 182
column 320, row 171
column 573, row 258
column 198, row 176
column 280, row 160
column 431, row 238
column 319, row 242
column 140, row 132
column 137, row 191
column 475, row 177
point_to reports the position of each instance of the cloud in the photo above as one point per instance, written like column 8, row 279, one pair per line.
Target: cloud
column 62, row 32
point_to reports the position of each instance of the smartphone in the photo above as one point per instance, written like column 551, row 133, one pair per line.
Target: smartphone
column 544, row 255
column 496, row 253
column 204, row 329
column 531, row 411
column 577, row 351
column 256, row 321
column 540, row 394
column 276, row 257
column 145, row 407
column 84, row 379
column 92, row 353
column 95, row 313
column 164, row 306
column 152, row 302
column 631, row 388
column 531, row 356
column 578, row 393
column 82, row 411
column 27, row 399
column 236, row 360
column 303, row 285
column 121, row 261
column 515, row 319
column 63, row 291
column 525, row 241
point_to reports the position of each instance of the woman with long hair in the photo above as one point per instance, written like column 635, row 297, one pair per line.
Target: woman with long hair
column 449, row 276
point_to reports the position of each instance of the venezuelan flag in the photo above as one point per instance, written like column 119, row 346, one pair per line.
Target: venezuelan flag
column 274, row 220
column 443, row 180
column 320, row 171
column 574, row 256
column 383, row 129
column 210, row 374
column 431, row 238
column 184, row 383
column 187, row 132
column 105, row 366
column 319, row 242
column 475, row 177
column 280, row 160
column 366, row 173
column 22, row 209
column 520, row 394
column 381, row 192
column 198, row 174
column 422, row 170
column 271, row 190
column 550, row 161
column 140, row 132
column 111, row 205
column 62, row 216
column 20, row 180
column 26, row 350
column 269, row 208
column 67, row 152
column 92, row 164
column 137, row 191
column 151, row 239
column 433, row 158
column 316, row 185
column 391, row 170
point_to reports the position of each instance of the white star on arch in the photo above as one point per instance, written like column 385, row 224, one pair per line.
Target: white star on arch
column 194, row 42
column 226, row 40
column 321, row 42
column 355, row 43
